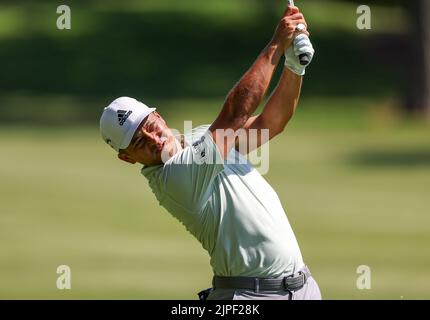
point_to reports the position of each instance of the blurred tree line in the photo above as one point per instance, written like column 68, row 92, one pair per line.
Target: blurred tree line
column 418, row 94
column 416, row 58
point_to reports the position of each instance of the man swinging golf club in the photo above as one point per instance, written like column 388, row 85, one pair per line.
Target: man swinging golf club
column 224, row 203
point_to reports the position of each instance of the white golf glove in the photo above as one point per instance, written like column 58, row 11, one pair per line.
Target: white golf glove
column 301, row 44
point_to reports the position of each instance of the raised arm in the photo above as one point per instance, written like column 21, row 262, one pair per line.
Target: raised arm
column 283, row 101
column 247, row 94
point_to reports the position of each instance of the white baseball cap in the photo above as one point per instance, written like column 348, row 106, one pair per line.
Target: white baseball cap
column 120, row 120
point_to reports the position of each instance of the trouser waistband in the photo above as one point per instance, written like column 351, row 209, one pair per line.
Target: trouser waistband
column 289, row 283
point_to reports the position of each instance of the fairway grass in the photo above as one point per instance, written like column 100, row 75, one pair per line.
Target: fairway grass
column 354, row 197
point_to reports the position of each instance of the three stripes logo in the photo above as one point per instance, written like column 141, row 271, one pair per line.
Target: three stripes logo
column 123, row 115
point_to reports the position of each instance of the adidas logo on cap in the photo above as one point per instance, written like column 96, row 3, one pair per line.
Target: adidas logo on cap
column 123, row 115
column 120, row 120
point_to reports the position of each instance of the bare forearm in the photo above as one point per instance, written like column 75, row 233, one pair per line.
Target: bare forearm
column 283, row 102
column 248, row 93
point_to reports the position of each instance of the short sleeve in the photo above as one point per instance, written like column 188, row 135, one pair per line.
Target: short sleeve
column 189, row 176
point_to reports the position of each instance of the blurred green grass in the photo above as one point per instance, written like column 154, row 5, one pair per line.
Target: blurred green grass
column 66, row 199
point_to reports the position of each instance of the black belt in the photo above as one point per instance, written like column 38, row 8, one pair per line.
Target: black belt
column 290, row 283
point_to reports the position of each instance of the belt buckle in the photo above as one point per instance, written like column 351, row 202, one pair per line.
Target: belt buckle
column 305, row 278
column 301, row 274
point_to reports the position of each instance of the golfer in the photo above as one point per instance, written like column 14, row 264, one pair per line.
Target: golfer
column 203, row 180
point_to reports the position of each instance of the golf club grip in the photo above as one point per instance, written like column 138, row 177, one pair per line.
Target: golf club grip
column 303, row 58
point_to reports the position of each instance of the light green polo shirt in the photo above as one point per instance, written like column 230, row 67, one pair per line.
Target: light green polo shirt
column 229, row 207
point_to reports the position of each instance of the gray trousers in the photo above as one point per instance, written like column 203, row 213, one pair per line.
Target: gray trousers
column 310, row 291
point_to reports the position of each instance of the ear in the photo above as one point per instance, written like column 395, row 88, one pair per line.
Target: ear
column 125, row 157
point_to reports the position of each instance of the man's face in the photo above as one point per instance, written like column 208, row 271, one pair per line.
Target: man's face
column 148, row 142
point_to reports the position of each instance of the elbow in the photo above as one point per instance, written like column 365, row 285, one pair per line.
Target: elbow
column 244, row 99
column 236, row 111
